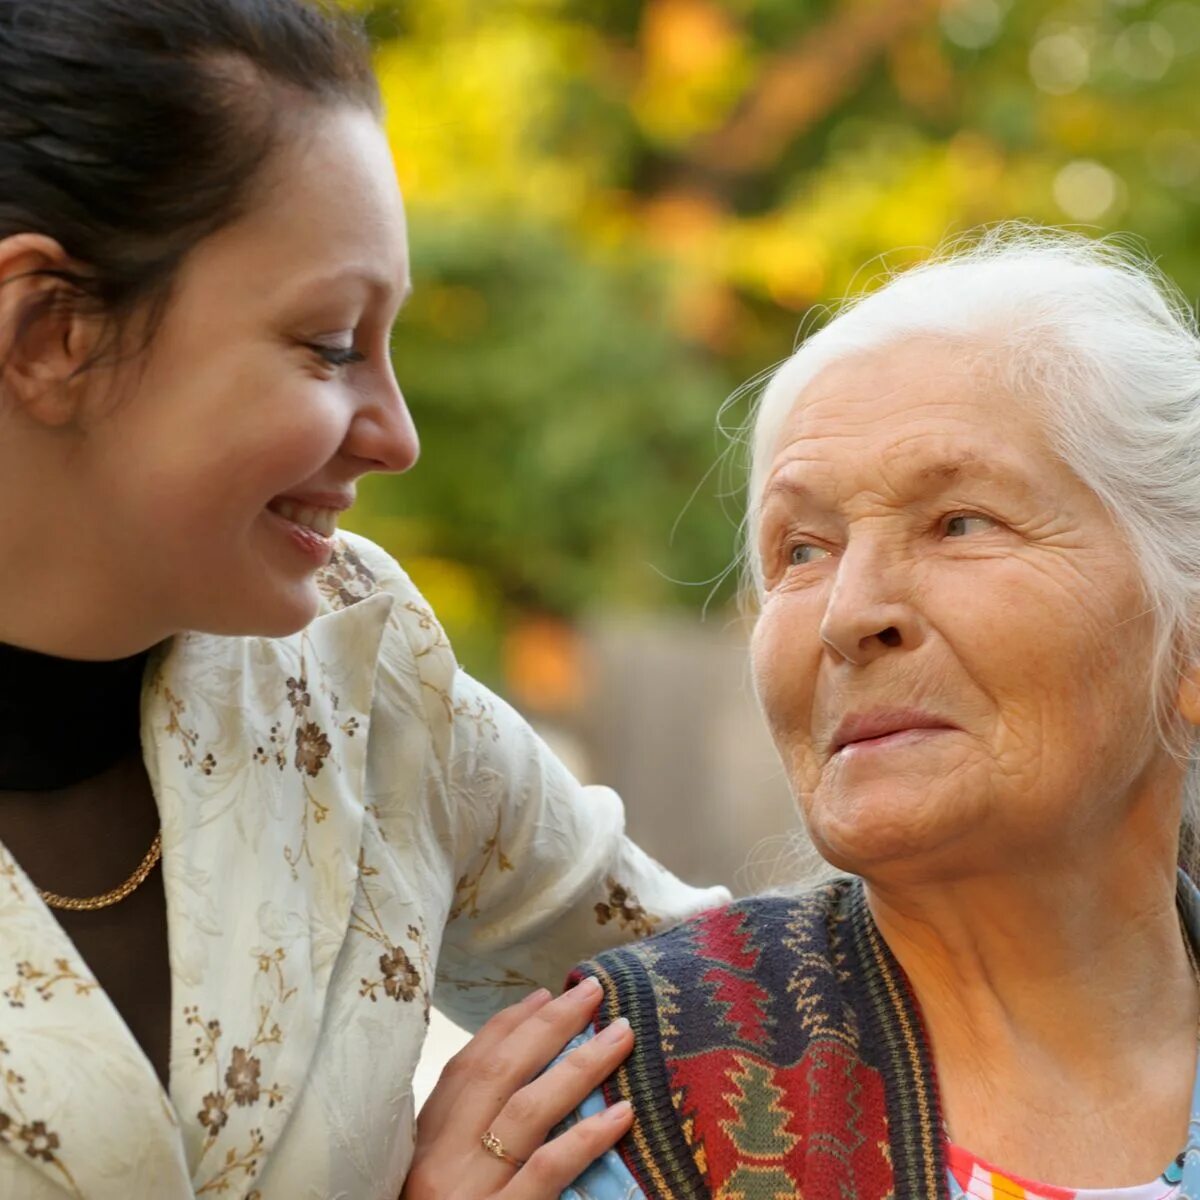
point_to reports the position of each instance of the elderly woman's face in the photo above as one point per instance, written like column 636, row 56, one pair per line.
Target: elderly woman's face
column 953, row 650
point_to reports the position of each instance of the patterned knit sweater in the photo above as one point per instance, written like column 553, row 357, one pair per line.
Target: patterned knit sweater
column 778, row 1053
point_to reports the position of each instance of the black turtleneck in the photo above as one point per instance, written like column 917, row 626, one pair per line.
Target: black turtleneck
column 70, row 730
column 63, row 720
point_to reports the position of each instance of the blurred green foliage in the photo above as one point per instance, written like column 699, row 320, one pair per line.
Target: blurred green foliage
column 621, row 211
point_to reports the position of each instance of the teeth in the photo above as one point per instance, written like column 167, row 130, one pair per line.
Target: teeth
column 319, row 520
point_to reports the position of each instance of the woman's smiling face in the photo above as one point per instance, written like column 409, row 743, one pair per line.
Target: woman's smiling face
column 267, row 390
column 954, row 649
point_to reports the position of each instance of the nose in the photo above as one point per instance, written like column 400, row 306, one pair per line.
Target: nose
column 382, row 435
column 868, row 613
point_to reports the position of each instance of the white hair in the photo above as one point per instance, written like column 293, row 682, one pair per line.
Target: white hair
column 1107, row 350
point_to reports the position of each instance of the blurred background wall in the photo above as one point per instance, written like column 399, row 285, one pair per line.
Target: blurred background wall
column 621, row 213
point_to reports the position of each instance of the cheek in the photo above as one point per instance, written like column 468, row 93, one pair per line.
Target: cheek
column 284, row 458
column 292, row 429
column 1062, row 657
column 1104, row 674
column 234, row 457
column 249, row 405
column 785, row 652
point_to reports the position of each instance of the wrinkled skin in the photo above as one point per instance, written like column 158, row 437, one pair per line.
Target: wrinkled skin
column 922, row 546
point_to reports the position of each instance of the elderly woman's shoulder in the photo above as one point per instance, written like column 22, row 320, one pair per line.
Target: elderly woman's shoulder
column 765, row 936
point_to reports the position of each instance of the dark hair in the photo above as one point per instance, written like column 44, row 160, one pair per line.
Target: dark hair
column 132, row 129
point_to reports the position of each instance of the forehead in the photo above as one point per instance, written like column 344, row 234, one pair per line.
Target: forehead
column 926, row 411
column 328, row 206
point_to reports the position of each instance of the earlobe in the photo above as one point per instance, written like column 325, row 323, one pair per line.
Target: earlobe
column 44, row 337
column 52, row 405
column 1188, row 698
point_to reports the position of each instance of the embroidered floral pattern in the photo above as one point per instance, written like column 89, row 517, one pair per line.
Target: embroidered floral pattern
column 239, row 1084
column 400, row 978
column 312, row 749
column 347, row 579
column 186, row 737
column 40, row 1142
column 434, row 643
column 478, row 713
column 214, row 1114
column 43, row 983
column 34, row 1138
column 623, row 907
column 428, row 624
column 245, row 1162
column 298, row 695
column 241, row 1077
column 466, row 890
column 506, row 979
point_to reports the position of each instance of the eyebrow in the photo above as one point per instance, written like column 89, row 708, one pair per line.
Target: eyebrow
column 380, row 284
column 971, row 466
column 781, row 485
column 935, row 477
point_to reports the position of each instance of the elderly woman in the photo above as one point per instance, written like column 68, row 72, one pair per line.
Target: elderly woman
column 974, row 531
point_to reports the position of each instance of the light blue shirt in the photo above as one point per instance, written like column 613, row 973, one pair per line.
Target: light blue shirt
column 608, row 1178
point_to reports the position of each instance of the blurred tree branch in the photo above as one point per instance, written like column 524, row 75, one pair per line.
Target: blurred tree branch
column 807, row 81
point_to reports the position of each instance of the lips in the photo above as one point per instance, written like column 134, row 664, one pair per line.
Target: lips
column 317, row 512
column 880, row 722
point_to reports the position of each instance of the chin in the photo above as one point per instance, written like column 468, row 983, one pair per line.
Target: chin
column 290, row 613
column 272, row 613
column 868, row 829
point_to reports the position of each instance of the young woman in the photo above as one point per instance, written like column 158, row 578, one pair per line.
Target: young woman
column 202, row 249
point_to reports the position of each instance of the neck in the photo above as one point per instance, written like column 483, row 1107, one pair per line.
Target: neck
column 67, row 594
column 63, row 721
column 1055, row 971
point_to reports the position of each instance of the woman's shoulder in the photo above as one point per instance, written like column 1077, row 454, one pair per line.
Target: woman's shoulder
column 742, row 921
column 737, row 1017
column 758, row 942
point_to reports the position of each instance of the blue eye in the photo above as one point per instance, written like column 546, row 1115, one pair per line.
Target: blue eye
column 803, row 553
column 961, row 524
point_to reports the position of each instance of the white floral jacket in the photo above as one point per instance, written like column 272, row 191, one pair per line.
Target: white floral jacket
column 345, row 815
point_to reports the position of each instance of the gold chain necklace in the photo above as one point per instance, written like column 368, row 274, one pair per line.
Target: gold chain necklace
column 108, row 899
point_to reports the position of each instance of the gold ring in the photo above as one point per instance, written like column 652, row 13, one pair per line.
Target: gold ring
column 494, row 1146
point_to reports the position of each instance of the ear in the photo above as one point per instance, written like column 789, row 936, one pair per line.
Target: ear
column 1187, row 700
column 44, row 339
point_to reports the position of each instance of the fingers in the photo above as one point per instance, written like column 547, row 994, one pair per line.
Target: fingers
column 522, row 1124
column 495, row 1071
column 457, row 1073
column 561, row 1161
column 497, row 1083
